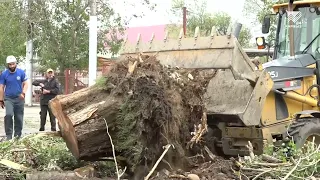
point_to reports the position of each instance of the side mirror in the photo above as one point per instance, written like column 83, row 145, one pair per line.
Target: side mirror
column 266, row 25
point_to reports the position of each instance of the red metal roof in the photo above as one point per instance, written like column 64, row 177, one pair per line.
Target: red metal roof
column 145, row 31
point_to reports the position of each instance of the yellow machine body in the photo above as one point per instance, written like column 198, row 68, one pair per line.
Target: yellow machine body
column 241, row 101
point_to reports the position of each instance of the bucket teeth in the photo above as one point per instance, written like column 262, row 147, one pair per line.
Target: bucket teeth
column 213, row 31
column 138, row 38
column 196, row 32
column 212, row 44
column 152, row 37
column 125, row 39
column 229, row 31
column 166, row 36
column 181, row 33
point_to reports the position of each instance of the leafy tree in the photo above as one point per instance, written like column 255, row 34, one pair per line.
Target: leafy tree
column 245, row 36
column 12, row 30
column 198, row 17
column 60, row 30
column 259, row 9
column 63, row 35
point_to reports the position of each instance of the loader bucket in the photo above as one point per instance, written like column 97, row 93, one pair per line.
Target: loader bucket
column 237, row 92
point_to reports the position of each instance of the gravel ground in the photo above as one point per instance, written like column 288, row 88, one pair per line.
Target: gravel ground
column 31, row 120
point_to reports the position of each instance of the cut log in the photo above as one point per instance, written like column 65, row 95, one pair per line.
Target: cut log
column 145, row 105
column 85, row 130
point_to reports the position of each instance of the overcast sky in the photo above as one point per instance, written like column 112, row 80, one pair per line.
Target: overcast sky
column 233, row 7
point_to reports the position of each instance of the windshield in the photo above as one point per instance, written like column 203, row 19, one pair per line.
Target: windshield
column 306, row 26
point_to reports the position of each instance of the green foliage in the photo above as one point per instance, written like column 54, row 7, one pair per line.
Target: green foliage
column 101, row 82
column 259, row 9
column 198, row 17
column 106, row 169
column 45, row 153
column 60, row 30
column 245, row 36
column 304, row 162
column 40, row 153
column 126, row 139
column 12, row 30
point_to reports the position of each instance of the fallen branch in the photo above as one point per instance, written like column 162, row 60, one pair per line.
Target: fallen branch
column 178, row 176
column 260, row 174
column 20, row 150
column 13, row 165
column 292, row 170
column 259, row 170
column 158, row 161
column 131, row 68
column 113, row 151
column 211, row 155
column 272, row 164
column 199, row 130
column 123, row 171
column 250, row 148
column 270, row 159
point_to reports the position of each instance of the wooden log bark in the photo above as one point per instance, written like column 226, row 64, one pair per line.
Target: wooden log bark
column 84, row 131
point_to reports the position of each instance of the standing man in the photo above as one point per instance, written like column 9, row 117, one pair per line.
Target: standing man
column 13, row 87
column 49, row 89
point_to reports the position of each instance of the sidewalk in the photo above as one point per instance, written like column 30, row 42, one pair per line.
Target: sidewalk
column 31, row 120
column 33, row 105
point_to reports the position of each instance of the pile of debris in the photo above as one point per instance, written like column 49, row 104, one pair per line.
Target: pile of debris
column 148, row 121
column 135, row 111
column 39, row 156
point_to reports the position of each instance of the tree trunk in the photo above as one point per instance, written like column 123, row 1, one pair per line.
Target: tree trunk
column 84, row 130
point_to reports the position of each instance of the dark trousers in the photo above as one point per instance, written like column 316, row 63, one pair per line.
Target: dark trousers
column 43, row 118
column 14, row 108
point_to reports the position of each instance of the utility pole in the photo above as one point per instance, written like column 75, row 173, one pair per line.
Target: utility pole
column 93, row 43
column 184, row 10
column 29, row 55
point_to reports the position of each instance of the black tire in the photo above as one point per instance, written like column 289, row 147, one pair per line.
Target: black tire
column 212, row 137
column 302, row 129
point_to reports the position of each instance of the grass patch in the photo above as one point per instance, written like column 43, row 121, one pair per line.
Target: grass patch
column 288, row 163
column 41, row 153
column 44, row 153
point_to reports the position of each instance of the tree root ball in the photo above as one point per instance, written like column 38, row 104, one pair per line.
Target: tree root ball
column 144, row 104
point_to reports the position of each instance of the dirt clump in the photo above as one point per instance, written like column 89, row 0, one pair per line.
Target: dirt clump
column 218, row 169
column 161, row 106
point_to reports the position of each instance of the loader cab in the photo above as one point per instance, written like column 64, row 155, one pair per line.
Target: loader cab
column 306, row 30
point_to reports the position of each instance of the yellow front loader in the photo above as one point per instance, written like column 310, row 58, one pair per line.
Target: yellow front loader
column 277, row 102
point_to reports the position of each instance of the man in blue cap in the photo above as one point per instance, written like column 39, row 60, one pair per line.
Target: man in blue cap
column 13, row 87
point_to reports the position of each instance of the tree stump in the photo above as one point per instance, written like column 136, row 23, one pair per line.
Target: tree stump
column 145, row 105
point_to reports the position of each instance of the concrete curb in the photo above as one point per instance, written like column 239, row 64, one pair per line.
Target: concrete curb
column 33, row 105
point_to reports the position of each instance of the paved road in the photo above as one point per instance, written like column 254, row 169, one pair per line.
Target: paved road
column 31, row 120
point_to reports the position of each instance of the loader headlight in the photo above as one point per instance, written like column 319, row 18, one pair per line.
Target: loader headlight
column 260, row 41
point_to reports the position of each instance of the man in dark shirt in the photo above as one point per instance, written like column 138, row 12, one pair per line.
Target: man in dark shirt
column 49, row 89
